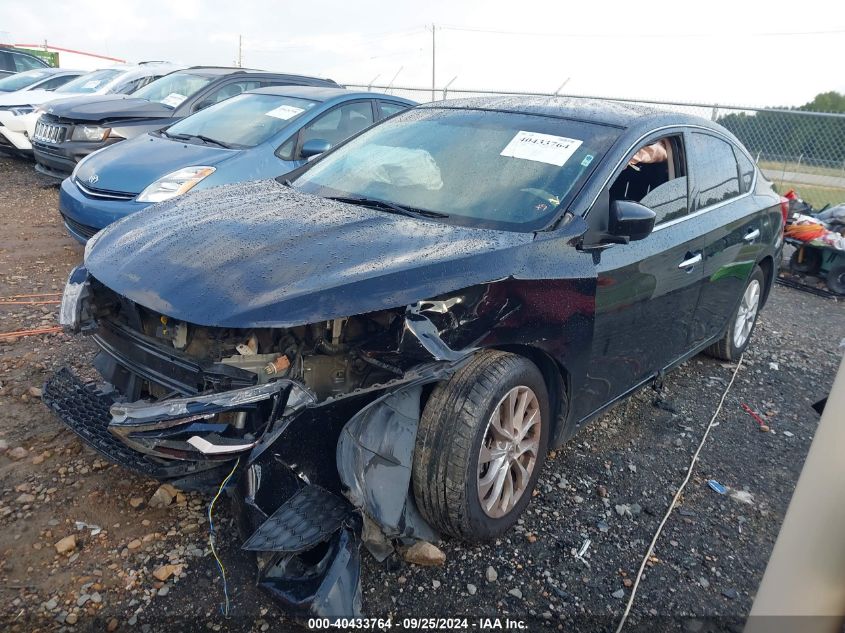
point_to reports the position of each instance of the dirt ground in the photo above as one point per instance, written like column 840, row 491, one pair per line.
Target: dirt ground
column 610, row 485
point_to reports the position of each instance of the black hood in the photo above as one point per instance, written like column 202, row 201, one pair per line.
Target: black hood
column 261, row 254
column 108, row 108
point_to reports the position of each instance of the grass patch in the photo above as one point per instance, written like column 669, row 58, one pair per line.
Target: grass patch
column 803, row 168
column 816, row 196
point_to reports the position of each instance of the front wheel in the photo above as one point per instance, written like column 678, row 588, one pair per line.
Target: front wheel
column 738, row 334
column 481, row 445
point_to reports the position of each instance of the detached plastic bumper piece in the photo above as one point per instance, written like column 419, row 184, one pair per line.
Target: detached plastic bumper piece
column 310, row 550
column 86, row 413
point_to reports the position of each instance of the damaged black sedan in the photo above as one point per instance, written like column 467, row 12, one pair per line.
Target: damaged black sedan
column 386, row 345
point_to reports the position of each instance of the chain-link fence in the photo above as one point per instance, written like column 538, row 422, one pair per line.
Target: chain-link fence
column 796, row 149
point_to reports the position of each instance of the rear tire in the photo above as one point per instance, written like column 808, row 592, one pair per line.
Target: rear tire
column 836, row 279
column 472, row 475
column 805, row 260
column 738, row 334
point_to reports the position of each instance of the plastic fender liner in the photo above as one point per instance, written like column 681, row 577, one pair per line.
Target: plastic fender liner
column 374, row 455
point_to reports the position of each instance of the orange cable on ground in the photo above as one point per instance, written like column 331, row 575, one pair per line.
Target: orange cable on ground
column 43, row 294
column 47, row 330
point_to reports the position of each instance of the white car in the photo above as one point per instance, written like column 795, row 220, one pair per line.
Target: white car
column 38, row 79
column 20, row 110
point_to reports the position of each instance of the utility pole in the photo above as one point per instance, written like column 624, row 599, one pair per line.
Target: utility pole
column 432, row 60
column 240, row 51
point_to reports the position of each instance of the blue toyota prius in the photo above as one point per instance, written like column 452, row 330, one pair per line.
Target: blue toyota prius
column 259, row 134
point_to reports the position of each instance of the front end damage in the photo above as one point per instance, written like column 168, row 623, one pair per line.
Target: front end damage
column 322, row 418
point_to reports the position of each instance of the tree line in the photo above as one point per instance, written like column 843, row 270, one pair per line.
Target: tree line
column 788, row 135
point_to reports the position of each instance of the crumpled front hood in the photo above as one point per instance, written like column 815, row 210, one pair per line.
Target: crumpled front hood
column 260, row 254
column 108, row 108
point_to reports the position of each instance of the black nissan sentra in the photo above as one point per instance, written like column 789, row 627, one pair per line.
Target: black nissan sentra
column 385, row 345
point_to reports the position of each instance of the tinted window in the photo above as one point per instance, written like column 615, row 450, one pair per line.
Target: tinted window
column 171, row 90
column 245, row 120
column 488, row 169
column 54, row 83
column 22, row 80
column 90, row 82
column 657, row 179
column 6, row 61
column 228, row 91
column 25, row 62
column 668, row 201
column 715, row 170
column 389, row 107
column 746, row 171
column 340, row 123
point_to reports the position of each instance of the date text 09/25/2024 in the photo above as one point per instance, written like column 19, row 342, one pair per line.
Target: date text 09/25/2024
column 418, row 624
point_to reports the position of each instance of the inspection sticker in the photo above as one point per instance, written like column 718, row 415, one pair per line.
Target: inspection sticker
column 285, row 112
column 543, row 148
column 173, row 99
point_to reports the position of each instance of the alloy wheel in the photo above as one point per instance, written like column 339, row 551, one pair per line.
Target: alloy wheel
column 509, row 451
column 746, row 314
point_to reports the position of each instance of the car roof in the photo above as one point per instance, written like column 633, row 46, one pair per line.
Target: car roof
column 615, row 113
column 222, row 71
column 322, row 93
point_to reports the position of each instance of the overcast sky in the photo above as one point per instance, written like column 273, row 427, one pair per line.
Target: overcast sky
column 724, row 51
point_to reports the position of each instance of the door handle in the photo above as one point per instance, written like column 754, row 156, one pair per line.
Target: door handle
column 692, row 261
column 752, row 235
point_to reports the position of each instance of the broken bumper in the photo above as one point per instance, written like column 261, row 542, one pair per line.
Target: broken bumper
column 322, row 479
column 86, row 413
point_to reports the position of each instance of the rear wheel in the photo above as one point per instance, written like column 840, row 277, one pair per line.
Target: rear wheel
column 805, row 260
column 481, row 445
column 738, row 334
column 836, row 279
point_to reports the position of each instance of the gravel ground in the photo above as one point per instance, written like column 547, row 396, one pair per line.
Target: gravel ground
column 138, row 565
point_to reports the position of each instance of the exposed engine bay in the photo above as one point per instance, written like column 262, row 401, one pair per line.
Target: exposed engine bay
column 322, row 418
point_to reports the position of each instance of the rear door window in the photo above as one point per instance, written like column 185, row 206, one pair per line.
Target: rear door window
column 714, row 169
column 388, row 108
column 6, row 61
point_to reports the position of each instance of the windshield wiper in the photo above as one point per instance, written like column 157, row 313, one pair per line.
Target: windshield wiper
column 205, row 139
column 390, row 207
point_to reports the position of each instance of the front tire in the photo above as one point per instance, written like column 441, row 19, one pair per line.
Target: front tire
column 481, row 445
column 739, row 331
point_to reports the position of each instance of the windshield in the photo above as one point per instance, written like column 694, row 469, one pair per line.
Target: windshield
column 246, row 120
column 173, row 89
column 90, row 82
column 481, row 168
column 23, row 80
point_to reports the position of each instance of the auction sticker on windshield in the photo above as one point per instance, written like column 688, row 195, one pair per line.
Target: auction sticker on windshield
column 543, row 148
column 285, row 112
column 173, row 99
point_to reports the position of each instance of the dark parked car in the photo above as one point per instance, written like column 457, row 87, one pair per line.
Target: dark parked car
column 13, row 60
column 73, row 128
column 260, row 134
column 398, row 332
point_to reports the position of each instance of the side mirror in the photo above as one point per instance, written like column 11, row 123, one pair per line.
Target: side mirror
column 202, row 105
column 630, row 221
column 313, row 147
